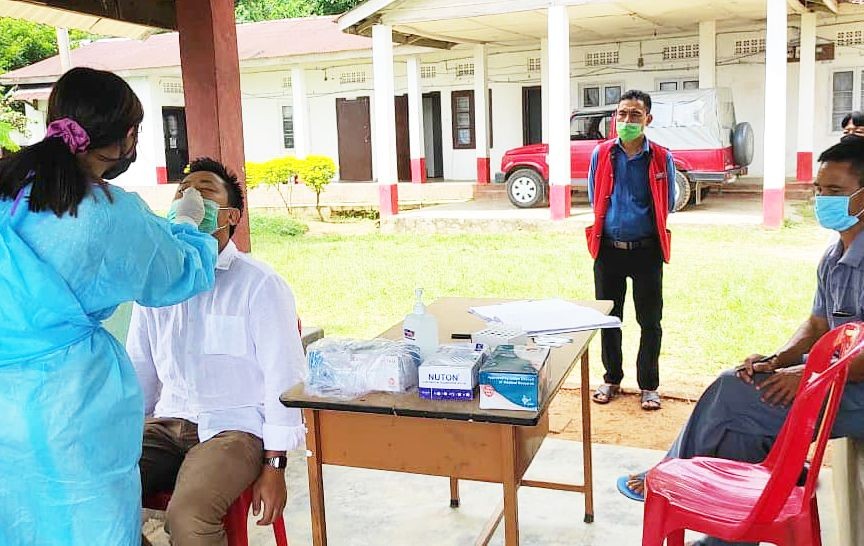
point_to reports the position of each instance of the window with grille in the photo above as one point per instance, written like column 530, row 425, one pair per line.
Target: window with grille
column 428, row 71
column 681, row 51
column 534, row 65
column 847, row 94
column 353, row 76
column 172, row 87
column 750, row 47
column 850, row 38
column 601, row 58
column 286, row 82
column 675, row 85
column 288, row 127
column 463, row 119
column 464, row 69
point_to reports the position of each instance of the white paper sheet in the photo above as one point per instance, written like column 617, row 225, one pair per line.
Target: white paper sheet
column 552, row 316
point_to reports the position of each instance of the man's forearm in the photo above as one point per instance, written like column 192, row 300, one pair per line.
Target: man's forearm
column 799, row 344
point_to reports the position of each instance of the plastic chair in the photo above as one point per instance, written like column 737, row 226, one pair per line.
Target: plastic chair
column 235, row 520
column 742, row 502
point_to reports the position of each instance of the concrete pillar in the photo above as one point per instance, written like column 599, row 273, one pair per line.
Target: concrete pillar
column 806, row 96
column 385, row 120
column 415, row 121
column 481, row 113
column 211, row 83
column 559, row 112
column 300, row 111
column 707, row 54
column 774, row 150
column 544, row 87
column 63, row 48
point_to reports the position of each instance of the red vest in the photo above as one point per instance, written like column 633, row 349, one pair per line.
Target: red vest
column 603, row 185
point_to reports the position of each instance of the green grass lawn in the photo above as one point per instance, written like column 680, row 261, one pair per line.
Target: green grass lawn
column 729, row 291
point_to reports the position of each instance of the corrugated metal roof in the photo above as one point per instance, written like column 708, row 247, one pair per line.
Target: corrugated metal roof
column 264, row 40
column 56, row 17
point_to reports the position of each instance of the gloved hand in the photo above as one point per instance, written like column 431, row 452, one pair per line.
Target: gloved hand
column 190, row 207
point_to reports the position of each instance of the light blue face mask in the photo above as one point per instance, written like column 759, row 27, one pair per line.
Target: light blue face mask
column 210, row 223
column 832, row 211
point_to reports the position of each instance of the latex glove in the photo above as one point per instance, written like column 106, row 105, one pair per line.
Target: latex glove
column 190, row 207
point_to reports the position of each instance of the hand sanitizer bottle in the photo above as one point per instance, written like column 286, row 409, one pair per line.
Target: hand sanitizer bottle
column 421, row 328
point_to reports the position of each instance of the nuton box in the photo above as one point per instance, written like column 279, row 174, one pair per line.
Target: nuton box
column 514, row 378
column 451, row 373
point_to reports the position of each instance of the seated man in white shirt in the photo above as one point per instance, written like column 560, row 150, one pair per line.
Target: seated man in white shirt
column 212, row 369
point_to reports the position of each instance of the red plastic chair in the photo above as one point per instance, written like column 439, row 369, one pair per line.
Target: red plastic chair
column 235, row 520
column 743, row 502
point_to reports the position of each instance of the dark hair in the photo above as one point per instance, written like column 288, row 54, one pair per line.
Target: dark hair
column 856, row 117
column 850, row 150
column 635, row 94
column 104, row 106
column 228, row 178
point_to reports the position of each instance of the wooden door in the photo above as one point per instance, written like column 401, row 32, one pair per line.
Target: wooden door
column 403, row 142
column 355, row 139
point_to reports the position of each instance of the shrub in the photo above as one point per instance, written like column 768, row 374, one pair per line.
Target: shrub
column 276, row 226
column 316, row 171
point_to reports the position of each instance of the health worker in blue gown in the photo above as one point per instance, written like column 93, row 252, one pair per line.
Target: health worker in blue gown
column 73, row 247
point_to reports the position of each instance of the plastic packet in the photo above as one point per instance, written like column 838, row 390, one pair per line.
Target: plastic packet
column 351, row 368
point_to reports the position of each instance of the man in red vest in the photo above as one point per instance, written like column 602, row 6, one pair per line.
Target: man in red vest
column 631, row 186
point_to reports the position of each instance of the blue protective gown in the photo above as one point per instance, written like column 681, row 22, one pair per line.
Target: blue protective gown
column 71, row 411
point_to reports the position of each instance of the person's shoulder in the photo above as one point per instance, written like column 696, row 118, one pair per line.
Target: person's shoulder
column 257, row 270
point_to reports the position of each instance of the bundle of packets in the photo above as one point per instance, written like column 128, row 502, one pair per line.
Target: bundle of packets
column 350, row 368
column 451, row 372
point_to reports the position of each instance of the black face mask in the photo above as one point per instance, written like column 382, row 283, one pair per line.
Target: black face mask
column 123, row 163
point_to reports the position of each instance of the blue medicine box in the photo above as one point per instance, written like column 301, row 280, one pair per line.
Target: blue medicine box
column 515, row 378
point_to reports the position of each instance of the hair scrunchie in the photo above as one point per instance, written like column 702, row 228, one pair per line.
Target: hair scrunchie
column 68, row 130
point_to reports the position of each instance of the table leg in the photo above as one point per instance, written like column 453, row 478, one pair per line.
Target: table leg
column 511, row 487
column 454, row 492
column 316, row 478
column 586, row 441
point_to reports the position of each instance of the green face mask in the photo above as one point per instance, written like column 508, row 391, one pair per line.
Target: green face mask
column 211, row 216
column 628, row 131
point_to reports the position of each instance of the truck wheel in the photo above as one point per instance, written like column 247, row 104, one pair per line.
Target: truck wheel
column 682, row 191
column 742, row 144
column 526, row 189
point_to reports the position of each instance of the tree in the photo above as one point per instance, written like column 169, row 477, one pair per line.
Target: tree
column 23, row 43
column 264, row 10
column 316, row 171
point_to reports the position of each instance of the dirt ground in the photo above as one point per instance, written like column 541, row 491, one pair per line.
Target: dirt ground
column 621, row 422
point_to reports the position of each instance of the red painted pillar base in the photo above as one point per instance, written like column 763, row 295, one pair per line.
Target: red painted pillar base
column 773, row 201
column 418, row 170
column 805, row 167
column 161, row 175
column 559, row 201
column 388, row 199
column 483, row 176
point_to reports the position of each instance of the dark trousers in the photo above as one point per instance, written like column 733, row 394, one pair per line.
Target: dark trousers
column 611, row 270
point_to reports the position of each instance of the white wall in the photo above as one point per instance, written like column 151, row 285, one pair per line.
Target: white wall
column 265, row 92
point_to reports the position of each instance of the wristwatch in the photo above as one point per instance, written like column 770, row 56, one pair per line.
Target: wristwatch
column 279, row 462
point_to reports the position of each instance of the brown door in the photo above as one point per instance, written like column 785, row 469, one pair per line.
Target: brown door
column 355, row 139
column 403, row 142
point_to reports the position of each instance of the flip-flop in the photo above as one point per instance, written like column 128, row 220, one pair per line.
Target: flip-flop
column 626, row 491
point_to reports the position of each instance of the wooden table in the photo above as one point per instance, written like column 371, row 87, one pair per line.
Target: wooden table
column 405, row 433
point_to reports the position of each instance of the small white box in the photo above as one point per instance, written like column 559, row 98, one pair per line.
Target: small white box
column 498, row 334
column 451, row 373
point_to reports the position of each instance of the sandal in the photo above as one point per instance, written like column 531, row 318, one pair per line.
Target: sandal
column 605, row 393
column 625, row 490
column 650, row 400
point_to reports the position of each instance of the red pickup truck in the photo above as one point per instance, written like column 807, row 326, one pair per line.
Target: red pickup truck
column 698, row 126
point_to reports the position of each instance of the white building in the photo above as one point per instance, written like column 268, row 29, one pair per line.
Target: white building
column 308, row 88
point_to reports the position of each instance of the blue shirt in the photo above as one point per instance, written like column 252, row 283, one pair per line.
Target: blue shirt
column 840, row 288
column 630, row 215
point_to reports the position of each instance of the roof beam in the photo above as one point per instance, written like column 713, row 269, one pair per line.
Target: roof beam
column 796, row 6
column 831, row 5
column 151, row 13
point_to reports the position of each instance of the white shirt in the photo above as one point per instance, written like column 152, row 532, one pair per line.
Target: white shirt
column 223, row 358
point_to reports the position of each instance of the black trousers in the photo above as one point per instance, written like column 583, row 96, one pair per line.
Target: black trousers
column 645, row 266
